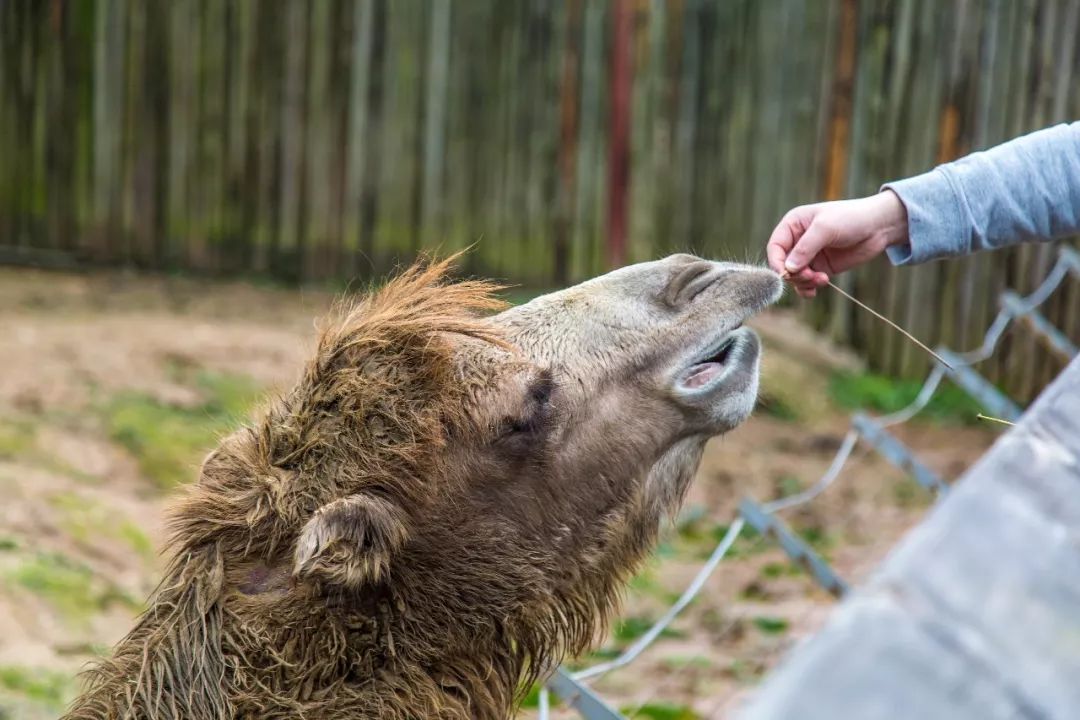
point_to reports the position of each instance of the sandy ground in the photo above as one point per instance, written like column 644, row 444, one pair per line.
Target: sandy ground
column 81, row 480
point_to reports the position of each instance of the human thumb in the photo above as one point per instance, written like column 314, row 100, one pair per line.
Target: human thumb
column 806, row 249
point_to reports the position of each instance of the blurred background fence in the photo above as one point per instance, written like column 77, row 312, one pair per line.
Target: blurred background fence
column 312, row 140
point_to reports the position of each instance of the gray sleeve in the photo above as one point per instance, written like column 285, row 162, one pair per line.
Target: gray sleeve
column 1025, row 189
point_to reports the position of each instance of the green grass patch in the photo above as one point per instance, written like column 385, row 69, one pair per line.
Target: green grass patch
column 16, row 438
column 167, row 440
column 746, row 672
column 228, row 394
column 878, row 393
column 532, row 698
column 631, row 628
column 86, row 521
column 662, row 711
column 907, row 493
column 680, row 662
column 746, row 545
column 133, row 535
column 788, row 485
column 8, row 544
column 771, row 625
column 645, row 583
column 697, row 533
column 68, row 587
column 43, row 687
column 775, row 570
column 817, row 539
column 755, row 591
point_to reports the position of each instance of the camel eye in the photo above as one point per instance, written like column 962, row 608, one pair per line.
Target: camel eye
column 536, row 416
column 541, row 388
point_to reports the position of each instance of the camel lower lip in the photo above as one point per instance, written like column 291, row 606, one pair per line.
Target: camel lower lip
column 702, row 376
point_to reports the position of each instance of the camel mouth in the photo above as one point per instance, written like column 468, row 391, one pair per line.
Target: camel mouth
column 734, row 351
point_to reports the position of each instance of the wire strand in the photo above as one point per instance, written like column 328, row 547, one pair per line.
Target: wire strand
column 889, row 322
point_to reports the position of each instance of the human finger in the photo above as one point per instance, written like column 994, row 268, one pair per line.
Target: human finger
column 806, row 248
column 780, row 243
column 786, row 234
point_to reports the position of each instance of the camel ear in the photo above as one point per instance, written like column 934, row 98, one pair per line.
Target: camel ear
column 350, row 542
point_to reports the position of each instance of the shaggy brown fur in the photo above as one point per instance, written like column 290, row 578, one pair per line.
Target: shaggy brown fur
column 392, row 539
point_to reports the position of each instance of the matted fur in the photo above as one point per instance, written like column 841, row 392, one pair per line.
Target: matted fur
column 370, row 416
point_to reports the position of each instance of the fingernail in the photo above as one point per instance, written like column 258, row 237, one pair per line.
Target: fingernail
column 791, row 265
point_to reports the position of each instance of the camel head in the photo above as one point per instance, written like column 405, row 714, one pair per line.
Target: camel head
column 448, row 501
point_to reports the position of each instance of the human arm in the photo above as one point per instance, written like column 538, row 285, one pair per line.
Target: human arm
column 1028, row 188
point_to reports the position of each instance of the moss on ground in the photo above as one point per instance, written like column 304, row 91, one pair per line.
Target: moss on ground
column 661, row 711
column 167, row 440
column 69, row 587
column 882, row 394
column 45, row 686
column 17, row 437
column 86, row 520
column 34, row 692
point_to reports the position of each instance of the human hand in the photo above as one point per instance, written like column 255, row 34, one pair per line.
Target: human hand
column 813, row 242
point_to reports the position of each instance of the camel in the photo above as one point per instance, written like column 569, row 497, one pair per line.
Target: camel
column 446, row 504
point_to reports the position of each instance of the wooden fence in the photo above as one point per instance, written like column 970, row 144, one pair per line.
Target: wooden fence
column 323, row 139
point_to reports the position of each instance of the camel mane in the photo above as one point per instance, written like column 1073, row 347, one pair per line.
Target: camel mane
column 369, row 418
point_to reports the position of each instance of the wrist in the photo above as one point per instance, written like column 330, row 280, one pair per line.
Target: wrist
column 893, row 229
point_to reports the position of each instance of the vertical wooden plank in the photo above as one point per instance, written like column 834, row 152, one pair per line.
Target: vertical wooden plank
column 60, row 127
column 542, row 108
column 686, row 126
column 240, row 180
column 266, row 134
column 863, row 164
column 973, row 299
column 357, row 142
column 138, row 171
column 290, row 259
column 837, row 180
column 588, row 144
column 663, row 160
column 416, row 139
column 954, row 138
column 212, row 138
column 568, row 138
column 739, row 28
column 647, row 94
column 1059, row 308
column 919, row 307
column 435, row 121
column 619, row 133
column 1012, row 265
column 340, row 38
column 1070, row 323
column 181, row 91
column 8, row 45
column 109, row 49
column 1049, row 33
column 318, row 141
column 998, row 267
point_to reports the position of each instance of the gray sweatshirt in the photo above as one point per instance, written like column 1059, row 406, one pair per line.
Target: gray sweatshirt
column 1025, row 189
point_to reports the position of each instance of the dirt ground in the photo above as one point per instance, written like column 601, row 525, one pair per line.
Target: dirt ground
column 112, row 388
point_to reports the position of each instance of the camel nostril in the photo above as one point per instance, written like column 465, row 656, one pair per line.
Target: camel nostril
column 689, row 280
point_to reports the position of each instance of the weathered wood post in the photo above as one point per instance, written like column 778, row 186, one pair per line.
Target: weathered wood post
column 973, row 617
